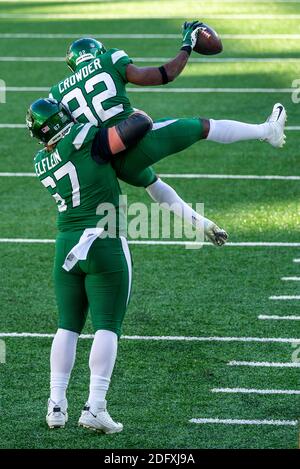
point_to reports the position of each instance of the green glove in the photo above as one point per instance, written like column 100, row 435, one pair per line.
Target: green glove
column 188, row 38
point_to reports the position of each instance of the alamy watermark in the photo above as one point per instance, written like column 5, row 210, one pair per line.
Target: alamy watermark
column 153, row 221
column 2, row 92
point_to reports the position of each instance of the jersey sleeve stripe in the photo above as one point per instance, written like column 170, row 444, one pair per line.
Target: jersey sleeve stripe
column 160, row 125
column 80, row 137
column 127, row 255
column 118, row 55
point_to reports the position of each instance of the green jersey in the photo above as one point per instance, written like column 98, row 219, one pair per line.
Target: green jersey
column 78, row 184
column 96, row 92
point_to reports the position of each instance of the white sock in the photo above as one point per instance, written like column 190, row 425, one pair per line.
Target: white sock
column 162, row 193
column 59, row 384
column 62, row 360
column 102, row 361
column 227, row 131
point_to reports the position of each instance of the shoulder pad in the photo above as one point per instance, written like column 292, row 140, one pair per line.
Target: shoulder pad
column 117, row 54
column 80, row 132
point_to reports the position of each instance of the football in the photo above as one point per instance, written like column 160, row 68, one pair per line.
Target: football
column 207, row 41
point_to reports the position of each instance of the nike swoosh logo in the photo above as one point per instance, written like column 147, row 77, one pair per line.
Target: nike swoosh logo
column 280, row 111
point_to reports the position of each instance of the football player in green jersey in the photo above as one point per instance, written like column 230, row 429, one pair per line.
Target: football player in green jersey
column 96, row 92
column 90, row 271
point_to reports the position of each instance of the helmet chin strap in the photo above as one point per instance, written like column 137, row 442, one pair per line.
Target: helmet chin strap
column 60, row 134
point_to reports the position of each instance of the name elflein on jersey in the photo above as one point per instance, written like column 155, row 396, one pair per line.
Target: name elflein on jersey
column 47, row 163
column 79, row 75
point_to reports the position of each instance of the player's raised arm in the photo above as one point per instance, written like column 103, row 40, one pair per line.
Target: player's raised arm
column 150, row 76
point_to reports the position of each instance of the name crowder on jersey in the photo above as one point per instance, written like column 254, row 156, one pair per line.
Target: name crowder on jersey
column 47, row 163
column 78, row 76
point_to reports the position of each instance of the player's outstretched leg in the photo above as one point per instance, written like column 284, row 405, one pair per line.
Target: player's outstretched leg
column 271, row 131
column 170, row 136
column 168, row 198
column 102, row 360
column 61, row 361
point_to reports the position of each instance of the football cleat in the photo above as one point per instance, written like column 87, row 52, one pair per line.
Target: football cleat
column 98, row 420
column 57, row 415
column 214, row 234
column 277, row 122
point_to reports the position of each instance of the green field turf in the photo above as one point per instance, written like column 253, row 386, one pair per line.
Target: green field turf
column 159, row 385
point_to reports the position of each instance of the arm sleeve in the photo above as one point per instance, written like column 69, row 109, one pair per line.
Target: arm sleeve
column 120, row 60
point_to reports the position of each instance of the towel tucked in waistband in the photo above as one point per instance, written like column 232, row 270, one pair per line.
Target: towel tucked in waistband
column 80, row 251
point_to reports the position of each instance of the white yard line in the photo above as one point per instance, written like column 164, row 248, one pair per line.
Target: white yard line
column 140, row 36
column 150, row 15
column 185, row 176
column 285, row 297
column 274, row 317
column 230, row 244
column 17, row 174
column 27, row 240
column 41, row 89
column 161, row 243
column 23, row 89
column 290, row 279
column 13, row 126
column 244, row 422
column 265, row 364
column 255, row 391
column 280, row 340
column 166, row 59
column 229, row 176
column 296, row 260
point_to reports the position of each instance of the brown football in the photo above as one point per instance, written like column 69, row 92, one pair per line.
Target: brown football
column 208, row 41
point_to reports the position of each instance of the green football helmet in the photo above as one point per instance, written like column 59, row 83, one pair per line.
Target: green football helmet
column 48, row 120
column 82, row 50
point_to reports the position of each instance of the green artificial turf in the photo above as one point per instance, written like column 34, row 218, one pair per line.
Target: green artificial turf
column 159, row 385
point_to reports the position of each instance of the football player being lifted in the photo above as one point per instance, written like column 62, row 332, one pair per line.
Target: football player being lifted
column 95, row 93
